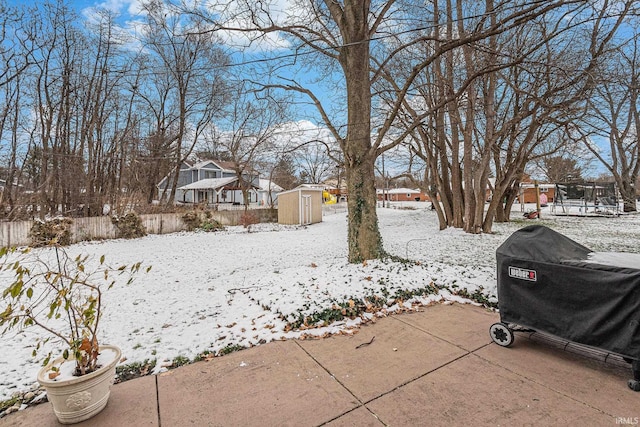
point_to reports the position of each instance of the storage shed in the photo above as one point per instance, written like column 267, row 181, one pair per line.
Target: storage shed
column 300, row 206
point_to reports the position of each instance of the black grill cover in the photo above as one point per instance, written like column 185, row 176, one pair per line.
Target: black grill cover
column 545, row 283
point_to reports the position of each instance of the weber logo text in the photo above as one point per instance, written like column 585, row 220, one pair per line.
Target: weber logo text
column 521, row 273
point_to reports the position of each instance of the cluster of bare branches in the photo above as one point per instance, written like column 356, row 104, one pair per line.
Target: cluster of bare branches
column 474, row 92
column 93, row 117
column 473, row 89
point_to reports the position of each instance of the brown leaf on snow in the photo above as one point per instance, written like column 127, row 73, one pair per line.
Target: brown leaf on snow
column 313, row 265
column 53, row 375
column 232, row 325
column 352, row 303
column 364, row 263
column 368, row 278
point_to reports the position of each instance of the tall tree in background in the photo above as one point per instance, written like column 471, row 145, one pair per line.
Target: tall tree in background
column 284, row 173
column 99, row 105
column 364, row 39
column 194, row 71
column 250, row 125
column 561, row 169
column 314, row 162
column 492, row 107
column 612, row 115
column 56, row 85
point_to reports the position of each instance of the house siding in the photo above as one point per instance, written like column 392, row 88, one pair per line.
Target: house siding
column 207, row 170
column 408, row 196
column 528, row 195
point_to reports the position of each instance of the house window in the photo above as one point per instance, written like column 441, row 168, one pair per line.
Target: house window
column 209, row 174
column 544, row 190
column 408, row 195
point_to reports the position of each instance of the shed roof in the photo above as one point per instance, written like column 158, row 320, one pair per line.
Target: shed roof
column 302, row 188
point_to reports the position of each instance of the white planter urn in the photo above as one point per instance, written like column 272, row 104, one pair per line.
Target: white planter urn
column 80, row 398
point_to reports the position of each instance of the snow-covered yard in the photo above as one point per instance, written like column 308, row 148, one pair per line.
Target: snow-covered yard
column 208, row 292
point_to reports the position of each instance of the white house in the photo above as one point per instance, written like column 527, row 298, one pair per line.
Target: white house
column 211, row 181
column 268, row 192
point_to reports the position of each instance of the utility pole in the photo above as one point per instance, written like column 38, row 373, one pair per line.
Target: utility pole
column 385, row 188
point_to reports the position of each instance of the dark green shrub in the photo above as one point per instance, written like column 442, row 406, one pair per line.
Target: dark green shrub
column 211, row 225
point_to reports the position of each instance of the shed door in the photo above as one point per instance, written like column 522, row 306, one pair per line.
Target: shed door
column 306, row 210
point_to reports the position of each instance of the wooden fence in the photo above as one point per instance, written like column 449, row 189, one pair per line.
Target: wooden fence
column 97, row 228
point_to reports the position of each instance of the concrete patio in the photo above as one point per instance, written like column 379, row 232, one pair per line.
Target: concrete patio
column 434, row 367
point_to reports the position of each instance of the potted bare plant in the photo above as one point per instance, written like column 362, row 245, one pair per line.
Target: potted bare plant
column 62, row 296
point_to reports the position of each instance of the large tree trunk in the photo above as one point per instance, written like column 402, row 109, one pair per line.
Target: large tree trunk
column 364, row 237
column 628, row 193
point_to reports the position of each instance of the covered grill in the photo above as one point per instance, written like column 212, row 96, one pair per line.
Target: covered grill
column 549, row 283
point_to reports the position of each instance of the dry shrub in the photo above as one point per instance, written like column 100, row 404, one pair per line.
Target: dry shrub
column 129, row 226
column 192, row 220
column 248, row 219
column 56, row 231
column 197, row 219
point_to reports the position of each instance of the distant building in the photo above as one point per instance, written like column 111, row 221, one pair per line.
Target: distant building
column 402, row 195
column 268, row 193
column 528, row 192
column 212, row 182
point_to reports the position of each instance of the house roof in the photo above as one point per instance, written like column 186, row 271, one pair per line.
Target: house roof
column 209, row 184
column 531, row 185
column 266, row 185
column 225, row 166
column 302, row 188
column 312, row 186
column 399, row 191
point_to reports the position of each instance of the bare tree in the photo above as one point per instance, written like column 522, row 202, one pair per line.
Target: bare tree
column 561, row 169
column 15, row 44
column 284, row 173
column 55, row 91
column 494, row 106
column 99, row 112
column 248, row 132
column 612, row 115
column 363, row 39
column 193, row 70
